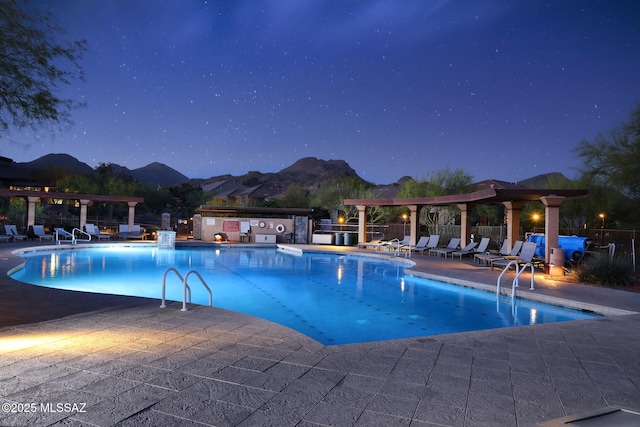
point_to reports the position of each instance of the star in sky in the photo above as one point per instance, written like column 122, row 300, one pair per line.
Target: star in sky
column 499, row 89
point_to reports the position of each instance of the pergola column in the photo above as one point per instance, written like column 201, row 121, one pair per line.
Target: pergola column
column 551, row 223
column 83, row 212
column 513, row 221
column 413, row 224
column 465, row 224
column 132, row 214
column 362, row 223
column 31, row 210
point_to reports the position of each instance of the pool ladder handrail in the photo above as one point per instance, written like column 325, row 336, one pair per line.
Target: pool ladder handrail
column 516, row 279
column 74, row 239
column 186, row 290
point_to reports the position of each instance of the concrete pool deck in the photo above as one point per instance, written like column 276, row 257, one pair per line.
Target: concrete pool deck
column 75, row 359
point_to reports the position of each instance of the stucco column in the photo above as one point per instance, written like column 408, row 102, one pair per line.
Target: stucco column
column 513, row 221
column 83, row 213
column 362, row 223
column 132, row 214
column 551, row 223
column 31, row 210
column 465, row 224
column 414, row 224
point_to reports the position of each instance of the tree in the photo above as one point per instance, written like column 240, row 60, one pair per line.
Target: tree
column 295, row 196
column 439, row 183
column 614, row 158
column 33, row 67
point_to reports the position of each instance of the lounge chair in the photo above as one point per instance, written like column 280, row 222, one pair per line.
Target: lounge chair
column 37, row 232
column 371, row 244
column 124, row 233
column 504, row 253
column 393, row 244
column 482, row 248
column 421, row 246
column 12, row 232
column 452, row 246
column 470, row 247
column 94, row 231
column 526, row 256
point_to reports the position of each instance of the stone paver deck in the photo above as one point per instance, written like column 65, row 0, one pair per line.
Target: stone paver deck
column 76, row 359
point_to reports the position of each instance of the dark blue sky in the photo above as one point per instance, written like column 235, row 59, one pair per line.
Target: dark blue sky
column 501, row 89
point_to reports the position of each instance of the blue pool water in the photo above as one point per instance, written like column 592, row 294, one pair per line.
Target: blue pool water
column 331, row 298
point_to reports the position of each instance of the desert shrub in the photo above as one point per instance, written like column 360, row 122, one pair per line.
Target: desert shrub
column 600, row 270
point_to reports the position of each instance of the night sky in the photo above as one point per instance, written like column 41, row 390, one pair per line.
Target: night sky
column 501, row 89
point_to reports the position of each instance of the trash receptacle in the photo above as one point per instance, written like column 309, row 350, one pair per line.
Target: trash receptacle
column 339, row 239
column 556, row 262
column 347, row 239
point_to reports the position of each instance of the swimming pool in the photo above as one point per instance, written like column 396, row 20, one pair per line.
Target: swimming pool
column 335, row 299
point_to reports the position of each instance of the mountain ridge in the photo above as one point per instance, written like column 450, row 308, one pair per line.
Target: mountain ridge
column 308, row 172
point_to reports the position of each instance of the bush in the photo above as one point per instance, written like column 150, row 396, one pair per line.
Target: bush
column 600, row 270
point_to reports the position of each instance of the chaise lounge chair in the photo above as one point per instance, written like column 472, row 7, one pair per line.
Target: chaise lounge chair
column 526, row 256
column 504, row 253
column 94, row 231
column 452, row 246
column 37, row 232
column 393, row 244
column 421, row 246
column 482, row 248
column 371, row 244
column 134, row 233
column 470, row 247
column 12, row 232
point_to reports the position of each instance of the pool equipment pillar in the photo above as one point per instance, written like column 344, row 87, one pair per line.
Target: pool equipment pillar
column 166, row 239
column 165, row 223
column 556, row 262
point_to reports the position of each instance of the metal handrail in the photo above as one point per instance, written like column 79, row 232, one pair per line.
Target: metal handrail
column 515, row 281
column 519, row 271
column 186, row 290
column 509, row 264
column 74, row 239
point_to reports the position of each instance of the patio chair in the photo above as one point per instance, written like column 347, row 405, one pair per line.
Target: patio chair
column 393, row 244
column 504, row 253
column 134, row 233
column 452, row 246
column 526, row 256
column 37, row 232
column 421, row 246
column 12, row 231
column 482, row 248
column 470, row 247
column 370, row 244
column 94, row 232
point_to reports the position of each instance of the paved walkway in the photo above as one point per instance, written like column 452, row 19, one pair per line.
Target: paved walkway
column 75, row 359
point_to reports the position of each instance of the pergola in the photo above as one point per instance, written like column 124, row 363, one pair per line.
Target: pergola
column 513, row 199
column 34, row 196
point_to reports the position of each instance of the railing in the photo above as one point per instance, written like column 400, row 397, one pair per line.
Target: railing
column 515, row 280
column 186, row 290
column 75, row 240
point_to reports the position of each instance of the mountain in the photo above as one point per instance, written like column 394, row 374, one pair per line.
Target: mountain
column 307, row 172
column 158, row 174
column 63, row 162
column 151, row 174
